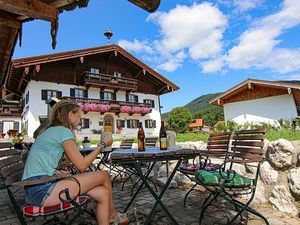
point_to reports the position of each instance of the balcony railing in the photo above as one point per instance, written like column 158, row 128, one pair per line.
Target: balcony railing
column 102, row 106
column 10, row 110
column 101, row 80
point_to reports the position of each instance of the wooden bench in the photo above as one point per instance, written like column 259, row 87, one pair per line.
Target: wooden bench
column 11, row 171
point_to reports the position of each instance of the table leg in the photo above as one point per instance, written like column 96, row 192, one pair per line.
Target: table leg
column 158, row 198
column 140, row 187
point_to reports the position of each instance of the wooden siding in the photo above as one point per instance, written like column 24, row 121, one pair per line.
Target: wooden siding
column 255, row 92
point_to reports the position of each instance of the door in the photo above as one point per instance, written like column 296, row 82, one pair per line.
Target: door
column 108, row 123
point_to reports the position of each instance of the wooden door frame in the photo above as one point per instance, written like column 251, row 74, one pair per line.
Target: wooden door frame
column 112, row 122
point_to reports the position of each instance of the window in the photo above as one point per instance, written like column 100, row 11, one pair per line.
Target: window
column 1, row 126
column 150, row 123
column 120, row 123
column 132, row 123
column 47, row 94
column 150, row 102
column 78, row 93
column 94, row 70
column 27, row 98
column 108, row 95
column 117, row 74
column 132, row 98
column 84, row 123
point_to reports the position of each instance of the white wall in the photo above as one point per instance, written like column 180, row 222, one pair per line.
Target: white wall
column 37, row 107
column 261, row 110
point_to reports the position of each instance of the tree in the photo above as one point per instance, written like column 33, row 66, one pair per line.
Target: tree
column 179, row 119
column 210, row 115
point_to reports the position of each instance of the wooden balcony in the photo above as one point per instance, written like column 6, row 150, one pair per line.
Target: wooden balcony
column 100, row 80
column 10, row 110
column 112, row 105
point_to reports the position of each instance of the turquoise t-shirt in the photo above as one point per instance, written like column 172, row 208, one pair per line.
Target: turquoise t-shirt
column 46, row 152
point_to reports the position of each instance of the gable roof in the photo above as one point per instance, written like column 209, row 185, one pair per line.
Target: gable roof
column 14, row 13
column 287, row 88
column 196, row 123
column 18, row 64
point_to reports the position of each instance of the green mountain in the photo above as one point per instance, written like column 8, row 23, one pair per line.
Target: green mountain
column 199, row 104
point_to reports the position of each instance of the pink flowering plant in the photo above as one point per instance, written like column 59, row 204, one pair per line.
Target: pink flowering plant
column 126, row 109
column 137, row 109
column 146, row 110
column 92, row 107
column 103, row 108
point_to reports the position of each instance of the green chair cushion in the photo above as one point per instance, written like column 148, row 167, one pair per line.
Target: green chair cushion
column 214, row 178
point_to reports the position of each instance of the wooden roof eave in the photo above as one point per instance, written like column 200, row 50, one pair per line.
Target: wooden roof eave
column 218, row 100
column 25, row 62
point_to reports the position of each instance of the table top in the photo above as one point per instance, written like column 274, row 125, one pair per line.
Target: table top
column 152, row 154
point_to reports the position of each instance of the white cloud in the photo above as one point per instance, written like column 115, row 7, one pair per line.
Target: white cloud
column 244, row 5
column 173, row 62
column 191, row 28
column 292, row 77
column 212, row 66
column 283, row 60
column 257, row 45
column 136, row 46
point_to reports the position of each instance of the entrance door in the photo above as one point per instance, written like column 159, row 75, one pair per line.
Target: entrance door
column 108, row 123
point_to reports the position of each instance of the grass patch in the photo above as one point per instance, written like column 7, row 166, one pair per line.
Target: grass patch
column 289, row 135
column 192, row 137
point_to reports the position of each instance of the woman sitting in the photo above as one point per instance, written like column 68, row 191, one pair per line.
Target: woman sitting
column 45, row 155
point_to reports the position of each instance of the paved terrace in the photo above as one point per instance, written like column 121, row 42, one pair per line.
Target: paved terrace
column 173, row 199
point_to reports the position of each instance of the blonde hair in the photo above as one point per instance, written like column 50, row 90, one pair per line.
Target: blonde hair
column 60, row 114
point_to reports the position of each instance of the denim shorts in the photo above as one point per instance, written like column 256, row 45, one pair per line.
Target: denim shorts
column 37, row 194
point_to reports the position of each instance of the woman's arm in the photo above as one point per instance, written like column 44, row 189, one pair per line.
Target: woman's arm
column 82, row 162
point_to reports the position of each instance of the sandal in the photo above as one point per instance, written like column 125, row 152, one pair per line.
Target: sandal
column 117, row 219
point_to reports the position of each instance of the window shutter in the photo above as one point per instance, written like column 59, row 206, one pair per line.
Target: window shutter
column 86, row 93
column 27, row 98
column 114, row 96
column 101, row 95
column 16, row 125
column 128, row 123
column 127, row 98
column 1, row 126
column 136, row 98
column 86, row 123
column 59, row 94
column 44, row 95
column 152, row 104
column 72, row 92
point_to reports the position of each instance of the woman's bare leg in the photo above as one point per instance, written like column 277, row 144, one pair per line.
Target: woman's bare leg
column 101, row 195
column 88, row 181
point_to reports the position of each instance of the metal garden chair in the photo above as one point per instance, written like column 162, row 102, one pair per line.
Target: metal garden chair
column 11, row 170
column 246, row 149
column 217, row 147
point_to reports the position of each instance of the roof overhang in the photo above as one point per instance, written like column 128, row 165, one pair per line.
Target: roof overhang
column 286, row 88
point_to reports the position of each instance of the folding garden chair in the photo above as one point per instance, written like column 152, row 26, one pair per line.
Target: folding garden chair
column 246, row 149
column 125, row 144
column 217, row 147
column 150, row 142
column 11, row 170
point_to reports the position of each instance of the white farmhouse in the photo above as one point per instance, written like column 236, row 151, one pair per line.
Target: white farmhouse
column 256, row 101
column 114, row 89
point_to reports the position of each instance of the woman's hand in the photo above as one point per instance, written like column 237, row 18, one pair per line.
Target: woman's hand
column 59, row 172
column 107, row 140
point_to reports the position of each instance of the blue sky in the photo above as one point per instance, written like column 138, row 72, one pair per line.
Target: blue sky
column 202, row 46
